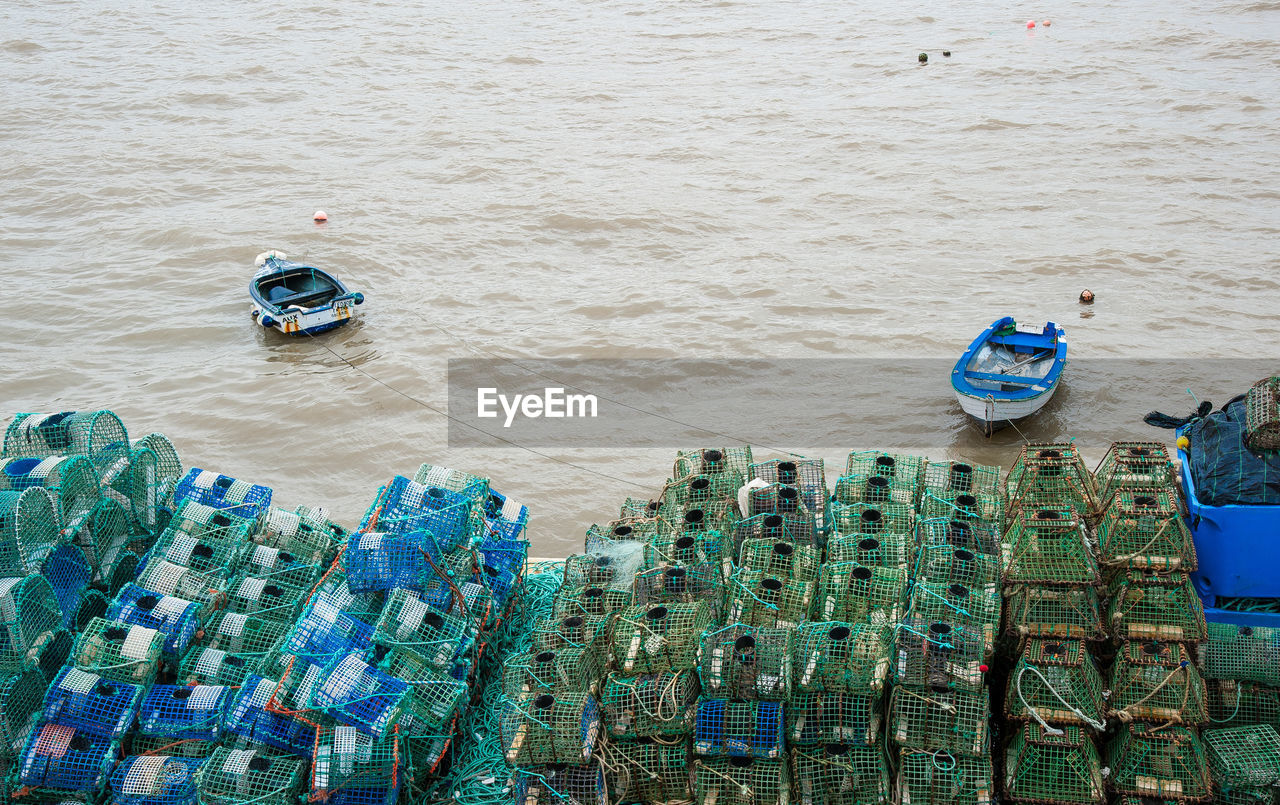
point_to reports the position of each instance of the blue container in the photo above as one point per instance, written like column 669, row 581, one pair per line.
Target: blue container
column 184, row 712
column 404, row 506
column 1236, row 546
column 177, row 618
column 248, row 716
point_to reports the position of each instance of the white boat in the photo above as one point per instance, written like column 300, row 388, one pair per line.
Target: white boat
column 1009, row 372
column 299, row 299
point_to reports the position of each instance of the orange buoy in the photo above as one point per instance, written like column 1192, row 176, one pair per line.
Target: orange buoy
column 1047, row 23
column 320, row 217
column 1031, row 23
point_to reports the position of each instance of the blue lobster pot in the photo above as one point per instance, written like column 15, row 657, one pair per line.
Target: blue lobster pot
column 404, row 506
column 60, row 757
column 240, row 498
column 754, row 730
column 184, row 712
column 502, row 561
column 155, row 780
column 359, row 695
column 248, row 716
column 384, row 561
column 68, row 571
column 504, row 518
column 177, row 618
column 325, row 632
column 90, row 704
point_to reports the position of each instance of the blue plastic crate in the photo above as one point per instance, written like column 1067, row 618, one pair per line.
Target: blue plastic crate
column 223, row 492
column 738, row 728
column 155, row 780
column 91, row 704
column 58, row 757
column 184, row 712
column 177, row 618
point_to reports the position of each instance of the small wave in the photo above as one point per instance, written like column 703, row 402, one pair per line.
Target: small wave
column 994, row 124
column 521, row 60
column 21, row 46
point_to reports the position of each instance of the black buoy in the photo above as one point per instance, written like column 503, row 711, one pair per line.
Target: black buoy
column 923, row 58
column 946, row 53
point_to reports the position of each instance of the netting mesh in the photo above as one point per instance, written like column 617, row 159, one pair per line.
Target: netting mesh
column 1143, row 528
column 785, row 560
column 637, row 528
column 765, row 498
column 543, row 728
column 181, row 713
column 1262, row 414
column 117, row 571
column 28, row 528
column 975, row 536
column 1051, row 476
column 839, row 774
column 376, row 561
column 839, row 718
column 409, row 624
column 568, row 785
column 1048, row 546
column 962, row 506
column 1237, row 704
column 29, row 614
column 733, row 461
column 848, row 591
column 683, row 585
column 757, row 599
column 738, row 728
column 1156, row 681
column 569, row 669
column 879, row 550
column 689, row 548
column 874, row 490
column 360, row 695
column 446, row 519
column 975, row 609
column 357, row 767
column 102, row 533
column 240, row 776
column 1156, row 761
column 261, row 598
column 947, row 477
column 133, row 481
column 647, row 706
column 1243, row 757
column 165, row 578
column 695, row 490
column 1055, row 681
column 70, row 480
column 204, row 538
column 947, row 564
column 202, row 665
column 1053, row 766
column 743, row 662
column 68, row 572
column 1246, row 653
column 936, row 778
column 798, row 527
column 591, row 602
column 883, row 520
column 610, row 565
column 1133, row 465
column 590, row 633
column 1058, row 612
column 99, row 435
column 176, row 618
column 59, row 758
column 740, row 781
column 939, row 655
column 646, row 771
column 168, row 465
column 21, row 697
column 155, row 780
column 472, row 487
column 119, row 652
column 248, row 714
column 954, row 720
column 1150, row 606
column 841, row 657
column 658, row 638
column 433, row 699
column 905, row 471
column 305, row 533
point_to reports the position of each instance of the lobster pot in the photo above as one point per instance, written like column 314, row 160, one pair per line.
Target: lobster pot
column 306, row 534
column 714, row 515
column 627, row 529
column 640, row 771
column 966, row 507
column 269, row 600
column 248, row 716
column 176, row 618
column 977, row 610
column 683, row 548
column 275, row 565
column 102, row 533
column 807, row 475
column 570, row 669
column 355, row 766
column 743, row 662
column 181, row 712
column 166, row 578
column 334, row 593
column 99, row 435
column 944, row 564
column 409, row 624
column 777, row 499
column 454, row 586
column 70, row 481
column 937, row 778
column 239, row 776
column 1051, row 476
column 28, row 529
column 976, row 536
column 851, row 592
column 1236, row 704
column 423, row 755
column 881, row 520
column 545, row 728
column 384, row 561
column 1150, row 760
column 590, row 633
column 785, row 560
column 133, row 481
column 939, row 655
column 361, row 696
column 1059, row 766
column 29, row 614
column 502, row 562
column 738, row 728
column 433, row 698
column 1134, row 465
column 202, row 665
column 1053, row 612
column 650, row 640
column 204, row 538
column 610, row 565
column 1262, row 415
column 904, row 470
column 90, row 703
column 580, row 785
column 734, row 462
column 648, row 706
column 117, row 570
column 155, row 780
column 1143, row 528
column 729, row 780
column 956, row 477
column 21, row 700
column 683, row 585
column 59, row 759
column 222, row 492
column 242, row 634
column 1243, row 760
column 1148, row 606
column 1048, row 546
column 797, row 527
column 168, row 465
column 873, row 490
column 835, row 656
column 504, row 517
column 446, row 519
column 119, row 652
column 51, row 652
column 1057, row 681
column 1245, row 653
column 69, row 573
column 1157, row 682
column 471, row 487
column 589, row 602
column 694, row 490
column 878, row 550
column 91, row 604
column 955, row 721
column 834, row 718
column 761, row 600
column 840, row 774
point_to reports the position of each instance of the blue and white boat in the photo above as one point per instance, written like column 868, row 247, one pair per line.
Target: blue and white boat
column 299, row 299
column 1009, row 372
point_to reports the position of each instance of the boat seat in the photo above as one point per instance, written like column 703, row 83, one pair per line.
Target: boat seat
column 303, row 298
column 1022, row 342
column 1011, row 380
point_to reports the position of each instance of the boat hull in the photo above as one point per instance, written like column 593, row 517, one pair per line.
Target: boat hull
column 992, row 415
column 310, row 322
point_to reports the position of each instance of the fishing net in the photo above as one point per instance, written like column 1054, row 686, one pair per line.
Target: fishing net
column 740, row 781
column 1157, row 682
column 1245, row 653
column 408, row 624
column 1056, row 682
column 873, row 490
column 1051, row 476
column 836, row 656
column 648, row 706
column 59, row 760
column 1244, row 758
column 165, row 578
column 240, row 498
column 1158, row 761
column 883, row 521
column 1048, row 546
column 265, row 599
column 29, row 614
column 798, row 527
column 434, row 698
column 133, row 481
column 955, row 721
column 738, row 728
column 1262, row 415
column 356, row 768
column 757, row 599
column 1057, row 612
column 99, row 435
column 905, row 471
column 848, row 591
column 977, row 610
column 566, row 785
column 117, row 652
column 180, row 714
column 645, row 771
column 590, row 602
column 1134, row 465
column 70, row 481
column 683, row 585
column 743, row 662
column 945, row 564
column 240, row 776
column 658, row 638
column 784, row 560
column 544, row 728
column 1148, row 606
column 1053, row 765
column 880, row 550
column 202, row 665
column 1143, row 528
column 732, row 461
column 28, row 528
column 1236, row 704
column 250, row 716
column 176, row 618
column 569, row 669
column 975, row 536
column 939, row 655
column 155, row 780
column 840, row 774
column 937, row 778
column 21, row 697
column 834, row 718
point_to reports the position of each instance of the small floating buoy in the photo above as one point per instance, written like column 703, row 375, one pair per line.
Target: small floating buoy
column 1047, row 23
column 1031, row 23
column 1183, row 443
column 1086, row 297
column 923, row 58
column 320, row 217
column 946, row 53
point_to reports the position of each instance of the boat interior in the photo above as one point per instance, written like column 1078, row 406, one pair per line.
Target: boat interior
column 303, row 287
column 1012, row 361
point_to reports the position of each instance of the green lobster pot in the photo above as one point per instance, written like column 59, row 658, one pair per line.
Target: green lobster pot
column 1148, row 760
column 644, row 771
column 29, row 617
column 734, row 462
column 741, row 781
column 1134, row 465
column 976, row 609
column 939, row 655
column 936, row 778
column 834, row 718
column 590, row 602
column 100, row 436
column 955, row 721
column 1051, row 476
column 1154, row 681
column 611, row 566
column 1053, row 612
column 905, row 471
column 841, row 657
column 883, row 520
column 546, row 728
column 1145, row 605
column 873, row 550
column 1057, row 681
column 71, row 480
column 963, row 506
column 744, row 662
column 700, row 488
column 683, row 584
column 119, row 652
column 761, row 600
column 650, row 640
column 943, row 478
column 648, row 706
column 1059, row 765
column 1235, row 704
column 1143, row 528
column 640, row 526
column 1244, row 761
column 134, row 481
column 780, row 559
column 586, row 632
column 948, row 564
column 689, row 548
column 874, row 490
column 851, row 592
column 840, row 774
column 572, row 670
column 1245, row 653
column 1048, row 546
column 21, row 697
column 28, row 529
column 235, row 776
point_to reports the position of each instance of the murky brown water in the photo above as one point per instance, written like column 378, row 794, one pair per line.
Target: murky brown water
column 614, row 179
